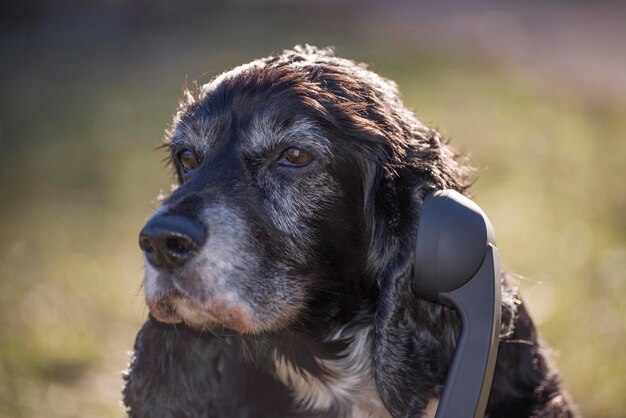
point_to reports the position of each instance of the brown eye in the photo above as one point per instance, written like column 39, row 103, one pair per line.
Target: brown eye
column 188, row 159
column 295, row 157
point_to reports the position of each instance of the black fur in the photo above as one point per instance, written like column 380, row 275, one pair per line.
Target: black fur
column 356, row 268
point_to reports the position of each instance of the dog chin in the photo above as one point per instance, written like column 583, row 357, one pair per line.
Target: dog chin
column 218, row 312
column 214, row 308
column 193, row 315
column 176, row 309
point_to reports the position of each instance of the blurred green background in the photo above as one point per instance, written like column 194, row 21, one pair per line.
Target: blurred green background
column 535, row 92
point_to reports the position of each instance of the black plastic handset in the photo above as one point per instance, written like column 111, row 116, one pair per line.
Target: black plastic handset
column 457, row 264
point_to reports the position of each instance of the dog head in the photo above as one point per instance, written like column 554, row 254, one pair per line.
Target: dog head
column 300, row 180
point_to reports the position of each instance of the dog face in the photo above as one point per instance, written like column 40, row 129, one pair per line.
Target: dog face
column 268, row 211
column 299, row 183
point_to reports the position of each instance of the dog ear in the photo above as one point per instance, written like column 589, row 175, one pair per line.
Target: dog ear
column 413, row 338
column 414, row 341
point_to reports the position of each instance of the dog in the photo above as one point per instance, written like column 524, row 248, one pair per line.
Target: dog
column 277, row 273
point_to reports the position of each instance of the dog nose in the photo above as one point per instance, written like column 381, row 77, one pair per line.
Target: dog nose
column 169, row 241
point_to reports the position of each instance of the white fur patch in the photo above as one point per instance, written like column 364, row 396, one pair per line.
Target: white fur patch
column 151, row 286
column 350, row 384
column 431, row 409
column 266, row 136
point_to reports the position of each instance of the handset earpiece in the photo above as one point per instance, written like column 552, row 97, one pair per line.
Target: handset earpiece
column 457, row 264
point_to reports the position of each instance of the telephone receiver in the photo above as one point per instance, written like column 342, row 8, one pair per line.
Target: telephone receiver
column 457, row 264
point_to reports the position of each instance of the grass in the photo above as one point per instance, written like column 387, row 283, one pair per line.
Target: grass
column 78, row 176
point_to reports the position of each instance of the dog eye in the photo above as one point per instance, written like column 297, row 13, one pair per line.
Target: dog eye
column 188, row 159
column 295, row 157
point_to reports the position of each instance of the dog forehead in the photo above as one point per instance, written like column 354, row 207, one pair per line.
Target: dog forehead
column 257, row 127
column 198, row 127
column 271, row 130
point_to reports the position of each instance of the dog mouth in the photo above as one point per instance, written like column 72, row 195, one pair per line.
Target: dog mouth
column 162, row 308
column 227, row 309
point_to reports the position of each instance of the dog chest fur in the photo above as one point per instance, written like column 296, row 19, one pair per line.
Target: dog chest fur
column 348, row 385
